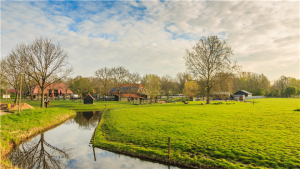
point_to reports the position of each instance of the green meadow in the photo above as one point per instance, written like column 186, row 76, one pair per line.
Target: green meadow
column 229, row 134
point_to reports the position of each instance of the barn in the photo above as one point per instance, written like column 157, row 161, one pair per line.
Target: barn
column 241, row 93
column 88, row 99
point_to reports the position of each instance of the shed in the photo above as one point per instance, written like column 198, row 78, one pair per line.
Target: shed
column 88, row 99
column 241, row 93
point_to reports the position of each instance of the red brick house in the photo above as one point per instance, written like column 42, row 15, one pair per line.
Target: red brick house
column 53, row 90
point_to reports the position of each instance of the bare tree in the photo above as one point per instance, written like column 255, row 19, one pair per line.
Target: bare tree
column 120, row 75
column 29, row 84
column 105, row 78
column 207, row 59
column 43, row 59
column 11, row 69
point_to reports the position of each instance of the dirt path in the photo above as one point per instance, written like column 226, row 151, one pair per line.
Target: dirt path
column 4, row 112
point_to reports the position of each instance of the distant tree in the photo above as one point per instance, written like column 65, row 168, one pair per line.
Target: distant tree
column 105, row 78
column 152, row 85
column 68, row 83
column 277, row 92
column 260, row 92
column 291, row 90
column 208, row 59
column 81, row 85
column 45, row 62
column 167, row 85
column 181, row 78
column 191, row 89
column 120, row 77
column 282, row 83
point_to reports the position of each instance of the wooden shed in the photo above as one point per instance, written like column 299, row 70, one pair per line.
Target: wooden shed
column 88, row 99
column 241, row 93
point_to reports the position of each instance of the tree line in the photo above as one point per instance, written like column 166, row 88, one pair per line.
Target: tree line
column 209, row 68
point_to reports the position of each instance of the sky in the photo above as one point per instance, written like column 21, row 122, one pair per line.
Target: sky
column 153, row 36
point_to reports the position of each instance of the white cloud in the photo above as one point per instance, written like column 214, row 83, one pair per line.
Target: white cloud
column 263, row 35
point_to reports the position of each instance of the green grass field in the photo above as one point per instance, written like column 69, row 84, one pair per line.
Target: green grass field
column 239, row 135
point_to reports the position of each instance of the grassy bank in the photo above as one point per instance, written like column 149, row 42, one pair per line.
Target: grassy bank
column 17, row 127
column 239, row 135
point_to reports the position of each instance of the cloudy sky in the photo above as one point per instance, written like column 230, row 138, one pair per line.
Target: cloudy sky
column 152, row 36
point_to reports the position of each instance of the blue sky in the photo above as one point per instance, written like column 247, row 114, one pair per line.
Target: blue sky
column 152, row 36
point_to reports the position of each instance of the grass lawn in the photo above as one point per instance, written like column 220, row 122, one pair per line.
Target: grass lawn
column 240, row 135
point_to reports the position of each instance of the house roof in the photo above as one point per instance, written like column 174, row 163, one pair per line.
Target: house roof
column 242, row 91
column 88, row 95
column 11, row 90
column 55, row 86
column 126, row 88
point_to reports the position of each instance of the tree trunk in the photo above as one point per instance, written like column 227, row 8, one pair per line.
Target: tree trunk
column 80, row 97
column 43, row 96
column 17, row 96
column 208, row 96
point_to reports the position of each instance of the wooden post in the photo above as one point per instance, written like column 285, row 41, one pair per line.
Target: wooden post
column 94, row 136
column 169, row 146
column 94, row 153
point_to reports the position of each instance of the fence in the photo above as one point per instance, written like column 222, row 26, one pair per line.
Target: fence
column 254, row 97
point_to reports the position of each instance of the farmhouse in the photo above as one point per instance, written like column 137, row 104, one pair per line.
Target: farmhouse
column 88, row 99
column 53, row 90
column 128, row 91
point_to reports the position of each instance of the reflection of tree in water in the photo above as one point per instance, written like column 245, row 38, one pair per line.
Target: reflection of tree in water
column 39, row 154
column 87, row 120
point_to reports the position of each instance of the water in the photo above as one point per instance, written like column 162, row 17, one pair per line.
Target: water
column 67, row 146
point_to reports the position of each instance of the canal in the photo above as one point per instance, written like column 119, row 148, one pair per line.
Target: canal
column 68, row 146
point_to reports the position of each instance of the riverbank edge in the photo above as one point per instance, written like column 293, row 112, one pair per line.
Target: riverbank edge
column 152, row 154
column 32, row 133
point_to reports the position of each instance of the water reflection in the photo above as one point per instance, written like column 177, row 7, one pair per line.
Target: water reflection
column 39, row 154
column 75, row 135
column 87, row 120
